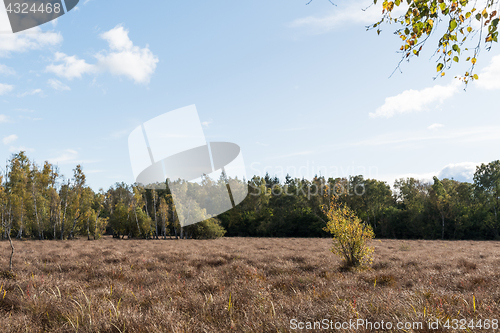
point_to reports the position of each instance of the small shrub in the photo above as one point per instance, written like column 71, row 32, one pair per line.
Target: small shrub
column 209, row 229
column 350, row 235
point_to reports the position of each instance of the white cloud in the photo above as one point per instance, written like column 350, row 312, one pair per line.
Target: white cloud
column 6, row 70
column 68, row 156
column 426, row 177
column 32, row 39
column 465, row 135
column 13, row 149
column 3, row 118
column 30, row 118
column 435, row 126
column 356, row 12
column 207, row 123
column 5, row 88
column 9, row 139
column 126, row 59
column 415, row 100
column 119, row 134
column 57, row 85
column 71, row 68
column 489, row 78
column 118, row 39
column 300, row 153
column 88, row 172
column 31, row 92
column 122, row 59
column 463, row 172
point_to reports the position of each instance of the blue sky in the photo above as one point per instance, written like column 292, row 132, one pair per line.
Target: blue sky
column 303, row 89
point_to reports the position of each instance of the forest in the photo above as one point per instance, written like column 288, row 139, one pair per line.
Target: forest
column 37, row 202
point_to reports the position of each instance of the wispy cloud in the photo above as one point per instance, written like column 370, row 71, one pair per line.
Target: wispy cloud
column 57, row 85
column 31, row 92
column 4, row 118
column 94, row 171
column 300, row 153
column 297, row 129
column 471, row 134
column 354, row 13
column 9, row 139
column 71, row 67
column 32, row 39
column 30, row 118
column 119, row 134
column 207, row 123
column 14, row 149
column 5, row 88
column 434, row 126
column 416, row 100
column 68, row 156
column 6, row 70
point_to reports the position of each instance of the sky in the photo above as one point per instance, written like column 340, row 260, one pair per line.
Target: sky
column 302, row 89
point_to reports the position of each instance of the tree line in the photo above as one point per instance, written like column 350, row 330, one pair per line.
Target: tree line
column 413, row 208
column 37, row 202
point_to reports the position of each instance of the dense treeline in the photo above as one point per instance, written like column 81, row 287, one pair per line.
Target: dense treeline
column 37, row 202
column 443, row 209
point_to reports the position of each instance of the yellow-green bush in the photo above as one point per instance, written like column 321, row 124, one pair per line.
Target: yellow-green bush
column 350, row 235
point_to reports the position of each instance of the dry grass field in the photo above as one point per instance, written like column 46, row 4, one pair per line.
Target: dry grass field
column 243, row 285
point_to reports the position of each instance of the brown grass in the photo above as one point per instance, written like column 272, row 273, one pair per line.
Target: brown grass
column 240, row 284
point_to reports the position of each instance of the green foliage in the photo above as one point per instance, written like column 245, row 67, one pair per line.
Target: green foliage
column 487, row 189
column 209, row 229
column 350, row 235
column 459, row 38
column 36, row 202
